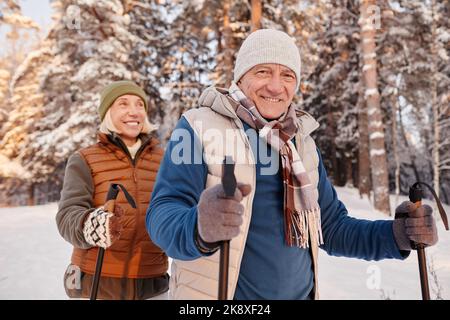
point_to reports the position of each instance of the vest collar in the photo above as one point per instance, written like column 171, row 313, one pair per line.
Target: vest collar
column 114, row 140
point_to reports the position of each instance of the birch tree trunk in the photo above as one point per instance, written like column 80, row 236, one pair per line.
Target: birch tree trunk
column 370, row 16
column 435, row 104
column 394, row 146
column 364, row 185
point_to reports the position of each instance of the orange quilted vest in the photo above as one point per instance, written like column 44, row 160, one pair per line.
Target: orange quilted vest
column 133, row 255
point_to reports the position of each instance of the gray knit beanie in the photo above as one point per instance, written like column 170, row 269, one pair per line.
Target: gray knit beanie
column 268, row 46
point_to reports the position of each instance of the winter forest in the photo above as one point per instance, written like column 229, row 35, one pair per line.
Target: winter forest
column 375, row 74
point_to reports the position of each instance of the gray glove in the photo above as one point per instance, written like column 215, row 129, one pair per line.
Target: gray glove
column 219, row 217
column 419, row 225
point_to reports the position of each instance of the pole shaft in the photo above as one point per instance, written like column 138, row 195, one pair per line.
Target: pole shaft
column 98, row 272
column 223, row 270
column 229, row 184
column 422, row 259
column 423, row 272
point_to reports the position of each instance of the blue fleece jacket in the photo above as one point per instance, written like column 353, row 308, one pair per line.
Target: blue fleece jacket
column 269, row 268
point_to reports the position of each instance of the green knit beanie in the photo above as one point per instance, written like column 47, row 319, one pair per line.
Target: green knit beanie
column 116, row 89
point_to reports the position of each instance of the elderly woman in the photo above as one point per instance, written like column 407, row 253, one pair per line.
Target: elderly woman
column 126, row 153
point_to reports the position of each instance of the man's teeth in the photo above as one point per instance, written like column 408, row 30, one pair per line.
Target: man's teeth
column 271, row 99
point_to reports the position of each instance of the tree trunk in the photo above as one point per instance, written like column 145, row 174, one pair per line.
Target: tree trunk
column 378, row 160
column 31, row 200
column 364, row 183
column 349, row 170
column 394, row 146
column 435, row 104
column 331, row 133
column 256, row 15
column 227, row 37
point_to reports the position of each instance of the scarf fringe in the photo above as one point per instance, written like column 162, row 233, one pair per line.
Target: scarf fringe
column 300, row 226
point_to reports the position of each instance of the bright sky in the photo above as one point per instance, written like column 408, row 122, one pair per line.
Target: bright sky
column 38, row 10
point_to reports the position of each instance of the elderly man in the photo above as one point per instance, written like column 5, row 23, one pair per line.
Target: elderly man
column 284, row 208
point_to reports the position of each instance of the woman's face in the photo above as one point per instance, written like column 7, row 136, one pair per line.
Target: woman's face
column 128, row 115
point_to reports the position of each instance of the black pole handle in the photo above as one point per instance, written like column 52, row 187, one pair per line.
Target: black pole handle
column 229, row 186
column 112, row 194
column 228, row 179
column 114, row 191
column 416, row 194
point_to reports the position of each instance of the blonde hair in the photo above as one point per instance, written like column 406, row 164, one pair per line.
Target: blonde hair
column 107, row 126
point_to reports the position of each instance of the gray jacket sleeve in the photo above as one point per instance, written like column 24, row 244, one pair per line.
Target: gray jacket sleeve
column 76, row 201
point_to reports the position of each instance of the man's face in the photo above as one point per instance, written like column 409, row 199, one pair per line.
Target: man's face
column 271, row 87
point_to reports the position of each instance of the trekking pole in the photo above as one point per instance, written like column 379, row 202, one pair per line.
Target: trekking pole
column 109, row 206
column 229, row 186
column 415, row 196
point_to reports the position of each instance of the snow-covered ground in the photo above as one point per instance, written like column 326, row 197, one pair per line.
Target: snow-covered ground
column 345, row 278
column 33, row 258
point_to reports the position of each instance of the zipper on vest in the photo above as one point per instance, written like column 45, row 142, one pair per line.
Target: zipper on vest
column 138, row 153
column 118, row 142
column 140, row 150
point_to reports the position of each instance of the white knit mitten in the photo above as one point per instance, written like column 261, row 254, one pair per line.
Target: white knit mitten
column 98, row 227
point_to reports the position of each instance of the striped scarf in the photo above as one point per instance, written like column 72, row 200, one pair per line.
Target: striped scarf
column 301, row 208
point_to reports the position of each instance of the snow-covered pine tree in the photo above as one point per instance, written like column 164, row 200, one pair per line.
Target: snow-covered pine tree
column 90, row 45
column 150, row 21
column 393, row 66
column 414, row 75
column 303, row 20
column 174, row 58
column 19, row 97
column 26, row 101
column 237, row 19
column 21, row 35
column 440, row 102
column 11, row 14
column 331, row 89
column 5, row 76
column 226, row 44
column 21, row 30
column 230, row 26
column 174, row 49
